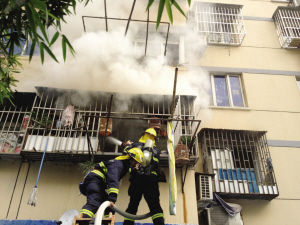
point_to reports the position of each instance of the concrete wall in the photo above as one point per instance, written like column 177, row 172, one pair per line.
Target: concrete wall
column 273, row 105
column 58, row 192
column 283, row 209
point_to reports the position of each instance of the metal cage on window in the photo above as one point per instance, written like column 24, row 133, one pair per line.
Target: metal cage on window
column 241, row 163
column 287, row 21
column 221, row 23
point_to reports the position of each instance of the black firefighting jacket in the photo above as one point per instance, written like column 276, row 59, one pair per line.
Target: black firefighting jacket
column 111, row 172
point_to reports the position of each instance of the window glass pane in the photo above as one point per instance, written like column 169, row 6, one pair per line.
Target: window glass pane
column 298, row 83
column 221, row 91
column 25, row 50
column 210, row 93
column 172, row 56
column 236, row 93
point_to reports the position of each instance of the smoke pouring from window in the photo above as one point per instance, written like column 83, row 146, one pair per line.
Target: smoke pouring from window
column 113, row 62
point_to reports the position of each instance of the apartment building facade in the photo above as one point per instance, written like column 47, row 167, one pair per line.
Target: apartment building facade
column 246, row 139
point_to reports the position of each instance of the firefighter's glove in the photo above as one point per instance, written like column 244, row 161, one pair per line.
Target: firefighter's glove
column 112, row 204
column 138, row 166
column 127, row 143
column 112, row 197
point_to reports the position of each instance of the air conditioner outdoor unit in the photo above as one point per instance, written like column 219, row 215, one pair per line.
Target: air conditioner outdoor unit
column 205, row 188
column 216, row 215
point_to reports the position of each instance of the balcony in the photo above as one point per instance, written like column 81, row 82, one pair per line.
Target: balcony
column 71, row 125
column 287, row 21
column 240, row 162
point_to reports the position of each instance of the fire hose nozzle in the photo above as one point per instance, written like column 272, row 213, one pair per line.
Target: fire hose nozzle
column 114, row 141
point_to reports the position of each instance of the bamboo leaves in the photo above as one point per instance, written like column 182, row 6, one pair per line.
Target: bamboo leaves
column 159, row 13
column 169, row 10
column 150, row 2
column 54, row 38
column 65, row 43
column 44, row 46
column 7, row 67
column 26, row 23
column 168, row 5
column 178, row 8
column 29, row 22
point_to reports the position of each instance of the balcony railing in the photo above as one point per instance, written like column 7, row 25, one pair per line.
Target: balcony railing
column 240, row 161
column 14, row 120
column 287, row 21
column 72, row 125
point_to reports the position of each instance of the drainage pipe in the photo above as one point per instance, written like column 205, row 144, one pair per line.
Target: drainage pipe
column 106, row 204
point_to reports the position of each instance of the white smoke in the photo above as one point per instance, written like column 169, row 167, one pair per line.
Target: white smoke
column 113, row 62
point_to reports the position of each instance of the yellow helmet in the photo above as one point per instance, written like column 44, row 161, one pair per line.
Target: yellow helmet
column 136, row 154
column 151, row 131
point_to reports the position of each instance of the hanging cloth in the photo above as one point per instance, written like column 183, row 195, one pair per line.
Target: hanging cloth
column 172, row 170
column 67, row 117
column 230, row 208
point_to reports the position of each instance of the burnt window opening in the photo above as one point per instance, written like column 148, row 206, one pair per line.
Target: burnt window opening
column 243, row 158
column 240, row 161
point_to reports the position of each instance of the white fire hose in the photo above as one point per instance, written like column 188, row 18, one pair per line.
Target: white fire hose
column 106, row 204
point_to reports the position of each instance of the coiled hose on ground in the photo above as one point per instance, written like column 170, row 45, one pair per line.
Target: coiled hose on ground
column 106, row 204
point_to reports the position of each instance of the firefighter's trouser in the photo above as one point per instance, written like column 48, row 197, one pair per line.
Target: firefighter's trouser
column 95, row 193
column 148, row 186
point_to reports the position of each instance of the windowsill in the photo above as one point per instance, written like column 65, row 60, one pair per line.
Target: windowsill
column 281, row 1
column 230, row 108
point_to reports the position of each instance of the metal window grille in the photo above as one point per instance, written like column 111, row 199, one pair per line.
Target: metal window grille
column 14, row 119
column 240, row 161
column 144, row 31
column 205, row 186
column 130, row 115
column 148, row 40
column 287, row 21
column 221, row 23
column 186, row 126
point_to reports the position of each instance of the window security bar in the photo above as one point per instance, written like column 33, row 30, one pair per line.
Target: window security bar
column 287, row 21
column 240, row 161
column 221, row 23
column 14, row 120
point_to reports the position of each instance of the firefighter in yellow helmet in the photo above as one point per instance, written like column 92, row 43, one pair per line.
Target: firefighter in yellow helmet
column 144, row 182
column 106, row 175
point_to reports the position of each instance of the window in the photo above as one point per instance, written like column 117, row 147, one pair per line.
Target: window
column 157, row 49
column 220, row 23
column 240, row 160
column 227, row 91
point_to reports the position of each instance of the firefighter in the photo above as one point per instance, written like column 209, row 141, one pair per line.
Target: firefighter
column 102, row 183
column 144, row 182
